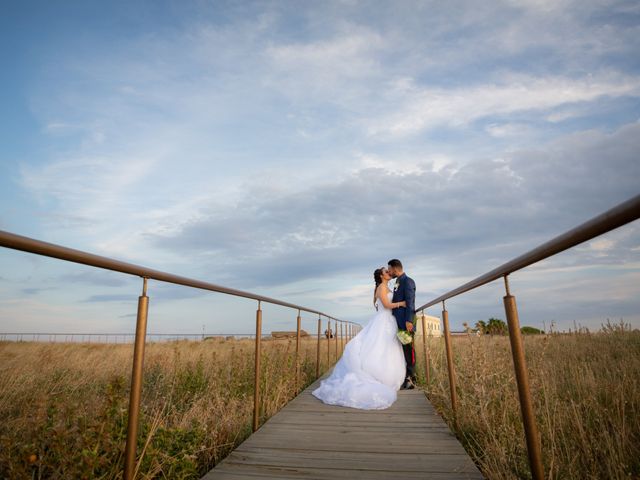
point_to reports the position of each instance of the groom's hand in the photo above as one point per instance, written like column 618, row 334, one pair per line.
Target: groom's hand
column 409, row 326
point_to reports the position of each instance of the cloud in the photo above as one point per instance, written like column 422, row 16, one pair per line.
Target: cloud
column 602, row 245
column 377, row 213
column 350, row 53
column 162, row 292
column 426, row 108
column 295, row 150
column 502, row 130
column 111, row 298
column 97, row 277
column 34, row 290
column 214, row 96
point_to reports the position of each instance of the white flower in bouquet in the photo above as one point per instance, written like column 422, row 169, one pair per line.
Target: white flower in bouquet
column 404, row 337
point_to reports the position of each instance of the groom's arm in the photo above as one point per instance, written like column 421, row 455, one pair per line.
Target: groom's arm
column 410, row 298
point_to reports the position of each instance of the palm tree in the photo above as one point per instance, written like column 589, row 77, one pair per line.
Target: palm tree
column 481, row 326
column 496, row 326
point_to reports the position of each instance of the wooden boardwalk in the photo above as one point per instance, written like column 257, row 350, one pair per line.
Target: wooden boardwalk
column 308, row 439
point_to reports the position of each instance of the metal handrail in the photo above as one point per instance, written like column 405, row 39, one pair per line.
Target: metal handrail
column 618, row 216
column 121, row 334
column 31, row 245
column 60, row 337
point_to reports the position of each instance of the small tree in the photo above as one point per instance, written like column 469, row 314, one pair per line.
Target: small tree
column 481, row 326
column 495, row 326
column 527, row 330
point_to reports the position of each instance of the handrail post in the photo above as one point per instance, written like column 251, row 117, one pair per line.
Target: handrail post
column 318, row 348
column 256, row 383
column 328, row 342
column 426, row 352
column 452, row 375
column 335, row 336
column 341, row 340
column 136, row 384
column 298, row 320
column 522, row 379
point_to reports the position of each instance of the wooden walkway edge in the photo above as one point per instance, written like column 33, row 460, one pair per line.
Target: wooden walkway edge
column 308, row 439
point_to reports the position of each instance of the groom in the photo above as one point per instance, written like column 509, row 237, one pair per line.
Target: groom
column 405, row 289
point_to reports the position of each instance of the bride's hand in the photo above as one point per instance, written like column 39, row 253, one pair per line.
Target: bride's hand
column 402, row 304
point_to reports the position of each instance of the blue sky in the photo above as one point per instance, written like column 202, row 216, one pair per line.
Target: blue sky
column 290, row 148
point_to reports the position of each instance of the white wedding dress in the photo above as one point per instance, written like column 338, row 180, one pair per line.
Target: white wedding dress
column 371, row 369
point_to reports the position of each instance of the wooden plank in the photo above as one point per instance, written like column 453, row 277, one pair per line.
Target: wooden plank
column 359, row 461
column 416, row 448
column 381, row 417
column 308, row 439
column 368, row 425
column 251, row 472
column 389, row 436
column 235, row 471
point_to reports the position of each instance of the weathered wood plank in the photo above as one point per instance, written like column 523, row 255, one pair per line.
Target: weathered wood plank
column 363, row 426
column 308, row 439
column 389, row 446
column 233, row 472
column 359, row 461
column 264, row 471
column 391, row 436
column 325, row 418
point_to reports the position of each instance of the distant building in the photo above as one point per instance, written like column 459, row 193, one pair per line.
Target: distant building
column 432, row 326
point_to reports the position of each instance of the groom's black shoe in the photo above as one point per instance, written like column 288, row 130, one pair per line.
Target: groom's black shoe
column 407, row 385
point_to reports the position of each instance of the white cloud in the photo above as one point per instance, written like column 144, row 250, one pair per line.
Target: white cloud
column 481, row 213
column 426, row 108
column 503, row 130
column 263, row 141
column 404, row 165
column 602, row 245
column 540, row 5
column 350, row 54
column 103, row 180
column 563, row 114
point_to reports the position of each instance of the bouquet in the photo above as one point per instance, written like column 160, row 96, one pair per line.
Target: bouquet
column 404, row 336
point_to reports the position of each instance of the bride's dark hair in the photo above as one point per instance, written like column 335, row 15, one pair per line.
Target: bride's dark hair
column 377, row 276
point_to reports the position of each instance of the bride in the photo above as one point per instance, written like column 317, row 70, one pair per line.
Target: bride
column 372, row 367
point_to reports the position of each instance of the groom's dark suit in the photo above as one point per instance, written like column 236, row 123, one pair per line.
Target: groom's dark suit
column 405, row 289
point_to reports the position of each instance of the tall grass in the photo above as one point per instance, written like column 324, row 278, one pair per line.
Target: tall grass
column 63, row 407
column 586, row 395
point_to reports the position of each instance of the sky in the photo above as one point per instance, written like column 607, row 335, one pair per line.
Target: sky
column 291, row 148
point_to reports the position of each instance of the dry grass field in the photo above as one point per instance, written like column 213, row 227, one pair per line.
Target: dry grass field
column 586, row 395
column 63, row 406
